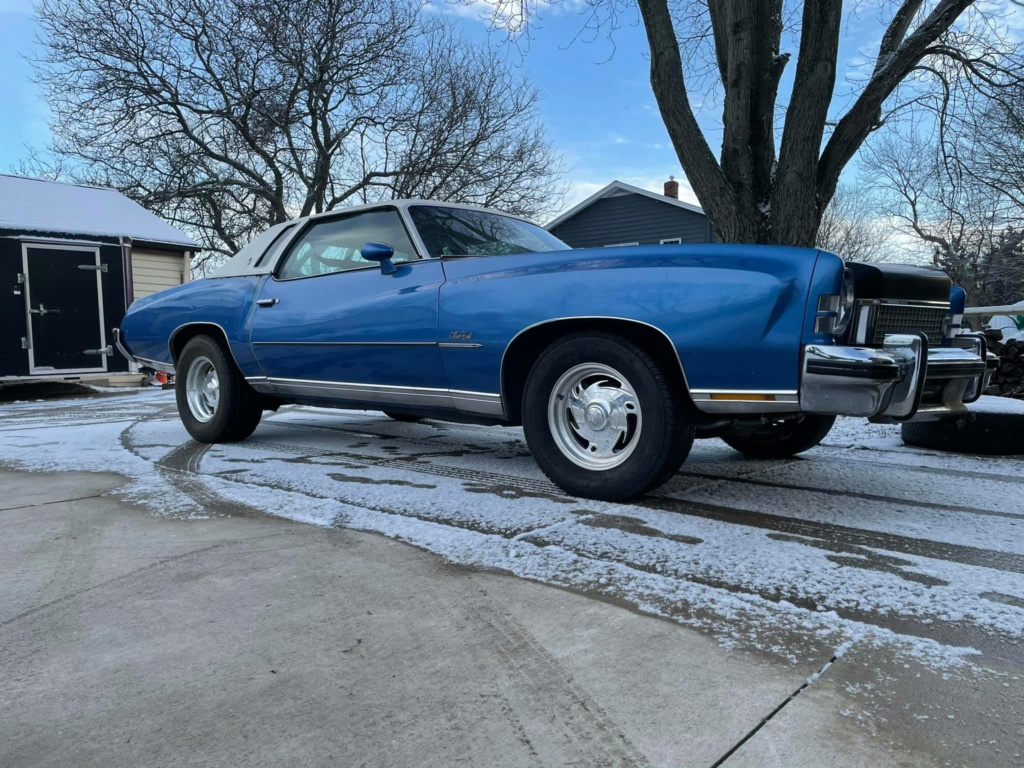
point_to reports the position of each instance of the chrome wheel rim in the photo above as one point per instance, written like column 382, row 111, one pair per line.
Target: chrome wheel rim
column 202, row 389
column 594, row 416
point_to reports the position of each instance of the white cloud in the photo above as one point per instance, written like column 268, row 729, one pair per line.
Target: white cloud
column 511, row 16
column 501, row 14
column 581, row 189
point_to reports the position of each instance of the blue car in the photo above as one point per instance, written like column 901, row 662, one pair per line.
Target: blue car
column 613, row 360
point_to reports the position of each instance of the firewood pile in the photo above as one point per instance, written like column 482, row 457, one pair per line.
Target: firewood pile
column 1008, row 380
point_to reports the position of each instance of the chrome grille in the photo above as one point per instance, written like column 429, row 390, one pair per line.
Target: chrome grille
column 899, row 318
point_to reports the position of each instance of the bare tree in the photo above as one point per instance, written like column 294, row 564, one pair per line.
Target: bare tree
column 972, row 227
column 756, row 191
column 226, row 116
column 983, row 143
column 1003, row 271
column 852, row 227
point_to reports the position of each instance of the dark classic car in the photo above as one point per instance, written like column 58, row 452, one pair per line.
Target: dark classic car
column 613, row 360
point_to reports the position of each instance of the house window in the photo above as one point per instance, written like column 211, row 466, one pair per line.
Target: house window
column 672, row 241
column 617, row 245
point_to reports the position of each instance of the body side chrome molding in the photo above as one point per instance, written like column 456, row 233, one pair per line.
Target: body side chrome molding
column 486, row 403
column 746, row 401
column 776, row 392
column 344, row 343
column 156, row 365
column 483, row 403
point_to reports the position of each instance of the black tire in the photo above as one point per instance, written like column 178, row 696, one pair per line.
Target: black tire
column 406, row 417
column 662, row 443
column 239, row 407
column 782, row 440
column 986, row 434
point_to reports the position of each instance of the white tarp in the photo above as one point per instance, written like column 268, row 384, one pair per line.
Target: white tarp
column 1011, row 325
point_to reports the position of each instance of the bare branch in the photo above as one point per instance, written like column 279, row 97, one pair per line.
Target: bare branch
column 700, row 165
column 226, row 116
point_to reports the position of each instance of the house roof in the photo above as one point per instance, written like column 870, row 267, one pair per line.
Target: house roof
column 621, row 188
column 37, row 205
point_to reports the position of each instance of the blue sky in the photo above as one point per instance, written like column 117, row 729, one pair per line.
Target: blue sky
column 598, row 107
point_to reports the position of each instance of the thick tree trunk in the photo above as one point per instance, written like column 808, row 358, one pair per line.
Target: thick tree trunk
column 752, row 197
column 702, row 169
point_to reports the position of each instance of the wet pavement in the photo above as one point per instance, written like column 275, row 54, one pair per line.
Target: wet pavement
column 885, row 583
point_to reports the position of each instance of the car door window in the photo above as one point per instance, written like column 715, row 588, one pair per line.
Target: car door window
column 333, row 245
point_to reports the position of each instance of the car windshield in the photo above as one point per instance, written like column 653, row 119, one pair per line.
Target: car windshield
column 464, row 232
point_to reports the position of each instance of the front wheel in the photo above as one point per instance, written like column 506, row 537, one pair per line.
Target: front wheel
column 601, row 418
column 780, row 440
column 215, row 402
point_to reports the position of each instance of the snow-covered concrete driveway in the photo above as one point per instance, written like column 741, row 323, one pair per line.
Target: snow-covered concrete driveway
column 896, row 573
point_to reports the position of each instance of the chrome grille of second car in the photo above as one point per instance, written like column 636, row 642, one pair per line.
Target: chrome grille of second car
column 899, row 318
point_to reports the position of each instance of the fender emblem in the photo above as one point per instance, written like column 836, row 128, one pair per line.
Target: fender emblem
column 460, row 335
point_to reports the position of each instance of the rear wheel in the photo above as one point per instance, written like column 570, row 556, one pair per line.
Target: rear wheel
column 215, row 402
column 601, row 418
column 783, row 439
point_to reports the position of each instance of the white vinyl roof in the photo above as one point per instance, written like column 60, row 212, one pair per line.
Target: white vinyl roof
column 615, row 189
column 248, row 260
column 49, row 206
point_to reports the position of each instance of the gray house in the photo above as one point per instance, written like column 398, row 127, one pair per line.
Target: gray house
column 621, row 214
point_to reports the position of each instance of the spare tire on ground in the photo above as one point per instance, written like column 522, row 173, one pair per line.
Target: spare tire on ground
column 994, row 426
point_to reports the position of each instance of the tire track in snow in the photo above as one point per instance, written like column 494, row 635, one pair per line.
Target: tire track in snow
column 844, row 454
column 749, row 478
column 789, row 486
column 185, row 462
column 859, row 537
column 181, row 469
column 188, row 459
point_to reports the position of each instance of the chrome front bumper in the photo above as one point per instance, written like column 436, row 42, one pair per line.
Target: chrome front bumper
column 903, row 380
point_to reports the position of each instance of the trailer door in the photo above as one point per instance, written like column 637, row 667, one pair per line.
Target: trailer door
column 64, row 309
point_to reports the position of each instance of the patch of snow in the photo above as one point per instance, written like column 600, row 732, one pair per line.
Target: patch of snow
column 989, row 404
column 870, row 544
column 39, row 205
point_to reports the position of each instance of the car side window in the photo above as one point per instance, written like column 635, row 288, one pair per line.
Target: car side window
column 274, row 249
column 333, row 245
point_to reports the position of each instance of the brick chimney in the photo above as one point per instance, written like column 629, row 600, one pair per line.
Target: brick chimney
column 672, row 188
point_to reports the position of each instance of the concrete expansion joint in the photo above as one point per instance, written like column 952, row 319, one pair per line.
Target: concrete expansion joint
column 839, row 652
column 123, row 577
column 55, row 501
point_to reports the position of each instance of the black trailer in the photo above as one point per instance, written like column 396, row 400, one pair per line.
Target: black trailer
column 68, row 261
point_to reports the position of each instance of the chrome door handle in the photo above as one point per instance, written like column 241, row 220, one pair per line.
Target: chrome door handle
column 266, row 302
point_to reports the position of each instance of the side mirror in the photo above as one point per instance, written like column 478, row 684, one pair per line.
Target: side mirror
column 381, row 253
